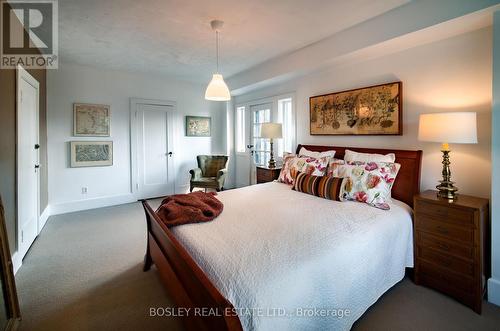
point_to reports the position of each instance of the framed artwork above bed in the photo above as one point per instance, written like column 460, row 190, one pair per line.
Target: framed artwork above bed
column 374, row 110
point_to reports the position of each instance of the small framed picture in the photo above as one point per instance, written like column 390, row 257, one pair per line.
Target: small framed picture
column 91, row 120
column 91, row 153
column 197, row 126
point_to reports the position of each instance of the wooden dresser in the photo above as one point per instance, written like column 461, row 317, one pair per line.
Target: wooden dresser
column 452, row 245
column 266, row 174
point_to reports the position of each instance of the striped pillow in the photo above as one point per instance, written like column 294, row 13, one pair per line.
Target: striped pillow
column 320, row 186
column 329, row 188
column 306, row 183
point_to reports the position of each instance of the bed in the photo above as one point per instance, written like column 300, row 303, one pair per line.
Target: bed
column 277, row 259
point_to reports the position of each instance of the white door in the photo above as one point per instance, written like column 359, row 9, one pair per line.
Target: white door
column 27, row 160
column 243, row 147
column 261, row 146
column 155, row 171
column 251, row 150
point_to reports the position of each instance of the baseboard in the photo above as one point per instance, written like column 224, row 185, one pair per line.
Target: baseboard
column 17, row 262
column 44, row 217
column 494, row 291
column 78, row 205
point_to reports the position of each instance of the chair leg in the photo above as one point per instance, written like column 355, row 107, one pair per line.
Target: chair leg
column 191, row 189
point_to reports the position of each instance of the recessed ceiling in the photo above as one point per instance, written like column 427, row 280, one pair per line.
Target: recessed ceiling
column 174, row 38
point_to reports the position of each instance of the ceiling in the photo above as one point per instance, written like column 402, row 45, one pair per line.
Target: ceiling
column 173, row 37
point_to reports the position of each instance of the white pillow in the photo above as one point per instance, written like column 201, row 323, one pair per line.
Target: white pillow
column 305, row 152
column 351, row 156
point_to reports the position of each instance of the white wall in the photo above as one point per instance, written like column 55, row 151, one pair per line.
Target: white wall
column 494, row 281
column 110, row 185
column 453, row 74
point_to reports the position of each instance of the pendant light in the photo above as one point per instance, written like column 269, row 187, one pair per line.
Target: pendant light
column 217, row 89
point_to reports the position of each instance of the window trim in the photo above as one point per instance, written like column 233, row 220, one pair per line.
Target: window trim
column 236, row 136
column 274, row 114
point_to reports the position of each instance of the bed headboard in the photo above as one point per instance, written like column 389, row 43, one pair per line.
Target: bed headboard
column 407, row 182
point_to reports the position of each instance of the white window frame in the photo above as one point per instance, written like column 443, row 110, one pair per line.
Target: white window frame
column 236, row 131
column 274, row 116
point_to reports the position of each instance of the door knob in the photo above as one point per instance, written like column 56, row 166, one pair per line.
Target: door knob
column 170, row 154
column 37, row 146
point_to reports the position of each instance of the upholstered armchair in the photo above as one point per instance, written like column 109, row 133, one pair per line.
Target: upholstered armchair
column 211, row 172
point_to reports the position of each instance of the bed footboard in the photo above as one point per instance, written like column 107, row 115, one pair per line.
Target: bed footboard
column 186, row 283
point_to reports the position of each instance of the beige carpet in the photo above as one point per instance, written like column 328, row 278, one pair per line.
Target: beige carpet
column 84, row 273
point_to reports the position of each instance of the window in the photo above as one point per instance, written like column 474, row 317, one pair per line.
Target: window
column 285, row 117
column 240, row 129
column 278, row 109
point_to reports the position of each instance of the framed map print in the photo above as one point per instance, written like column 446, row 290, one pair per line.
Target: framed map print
column 197, row 126
column 374, row 110
column 91, row 120
column 91, row 153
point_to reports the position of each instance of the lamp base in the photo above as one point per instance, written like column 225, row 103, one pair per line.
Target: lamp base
column 447, row 190
column 272, row 163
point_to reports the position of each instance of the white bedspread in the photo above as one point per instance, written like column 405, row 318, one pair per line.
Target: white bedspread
column 274, row 248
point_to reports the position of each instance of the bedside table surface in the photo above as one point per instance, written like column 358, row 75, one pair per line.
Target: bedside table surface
column 461, row 201
column 267, row 168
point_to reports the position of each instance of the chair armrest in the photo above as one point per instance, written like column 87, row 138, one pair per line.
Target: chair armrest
column 221, row 173
column 195, row 173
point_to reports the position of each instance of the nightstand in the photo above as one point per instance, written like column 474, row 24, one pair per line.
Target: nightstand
column 266, row 174
column 452, row 246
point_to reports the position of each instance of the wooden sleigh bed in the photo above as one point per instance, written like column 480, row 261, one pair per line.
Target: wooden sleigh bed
column 190, row 287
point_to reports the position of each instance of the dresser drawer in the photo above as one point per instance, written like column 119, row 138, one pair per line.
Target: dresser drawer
column 434, row 272
column 447, row 214
column 446, row 261
column 452, row 232
column 445, row 246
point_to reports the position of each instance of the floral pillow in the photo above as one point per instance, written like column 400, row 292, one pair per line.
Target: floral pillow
column 333, row 166
column 369, row 182
column 293, row 164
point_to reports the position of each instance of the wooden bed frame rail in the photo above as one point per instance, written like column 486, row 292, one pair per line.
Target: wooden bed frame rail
column 187, row 284
column 190, row 287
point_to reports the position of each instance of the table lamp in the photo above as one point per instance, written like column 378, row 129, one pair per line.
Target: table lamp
column 271, row 131
column 452, row 127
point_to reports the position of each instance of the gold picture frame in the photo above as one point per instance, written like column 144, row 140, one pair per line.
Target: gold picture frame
column 373, row 110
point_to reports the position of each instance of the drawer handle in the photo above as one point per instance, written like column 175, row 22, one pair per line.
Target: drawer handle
column 443, row 246
column 442, row 229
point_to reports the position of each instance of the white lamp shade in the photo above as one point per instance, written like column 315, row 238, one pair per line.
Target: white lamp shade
column 217, row 89
column 452, row 127
column 271, row 130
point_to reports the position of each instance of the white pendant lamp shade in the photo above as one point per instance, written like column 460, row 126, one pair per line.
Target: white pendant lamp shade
column 217, row 89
